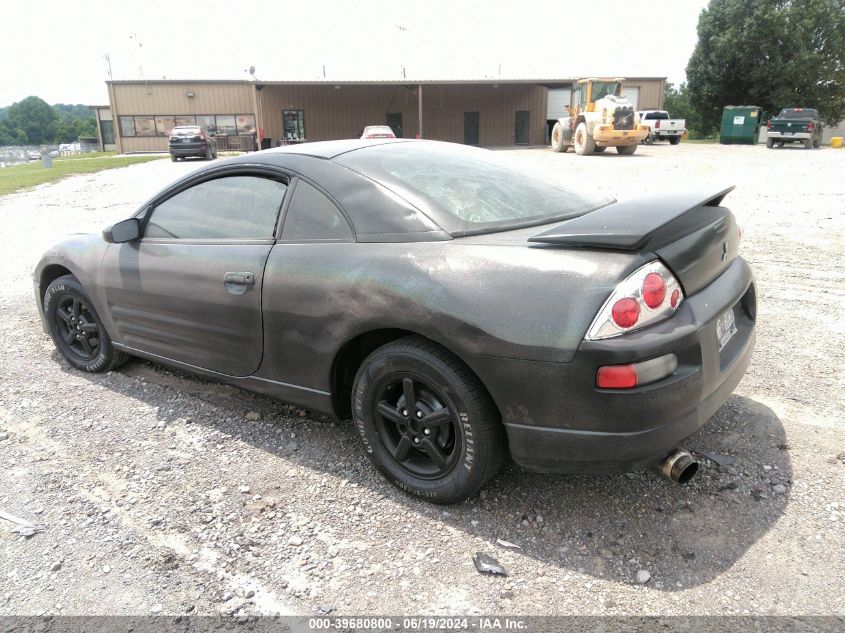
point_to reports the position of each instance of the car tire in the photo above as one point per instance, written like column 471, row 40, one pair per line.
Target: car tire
column 583, row 140
column 808, row 144
column 173, row 158
column 817, row 144
column 626, row 150
column 444, row 462
column 558, row 142
column 208, row 154
column 674, row 140
column 770, row 143
column 76, row 328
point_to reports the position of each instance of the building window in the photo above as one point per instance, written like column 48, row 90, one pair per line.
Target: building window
column 164, row 124
column 107, row 131
column 145, row 126
column 216, row 124
column 293, row 122
column 207, row 121
column 226, row 125
column 245, row 123
column 127, row 126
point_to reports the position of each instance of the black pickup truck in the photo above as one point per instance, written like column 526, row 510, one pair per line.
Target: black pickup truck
column 795, row 125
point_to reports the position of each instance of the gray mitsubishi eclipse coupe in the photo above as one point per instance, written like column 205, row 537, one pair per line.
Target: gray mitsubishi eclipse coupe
column 458, row 310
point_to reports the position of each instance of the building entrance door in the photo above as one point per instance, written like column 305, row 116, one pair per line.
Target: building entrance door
column 523, row 125
column 471, row 128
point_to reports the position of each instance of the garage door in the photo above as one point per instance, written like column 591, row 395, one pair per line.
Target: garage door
column 558, row 104
column 633, row 94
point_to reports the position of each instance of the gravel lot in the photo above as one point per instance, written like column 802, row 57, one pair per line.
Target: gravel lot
column 163, row 493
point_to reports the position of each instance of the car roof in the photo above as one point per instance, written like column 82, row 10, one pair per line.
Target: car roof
column 331, row 149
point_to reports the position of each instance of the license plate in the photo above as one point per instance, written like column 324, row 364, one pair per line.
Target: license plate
column 725, row 328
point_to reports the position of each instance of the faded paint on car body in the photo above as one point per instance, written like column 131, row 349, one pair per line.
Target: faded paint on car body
column 514, row 311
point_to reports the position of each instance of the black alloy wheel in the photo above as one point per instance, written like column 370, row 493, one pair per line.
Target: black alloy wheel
column 426, row 421
column 416, row 427
column 76, row 329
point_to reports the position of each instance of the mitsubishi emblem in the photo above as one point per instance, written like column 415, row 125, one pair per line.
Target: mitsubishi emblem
column 724, row 251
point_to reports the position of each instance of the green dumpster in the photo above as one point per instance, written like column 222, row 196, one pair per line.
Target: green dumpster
column 740, row 125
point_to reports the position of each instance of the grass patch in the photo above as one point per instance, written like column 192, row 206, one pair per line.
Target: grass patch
column 27, row 175
column 84, row 156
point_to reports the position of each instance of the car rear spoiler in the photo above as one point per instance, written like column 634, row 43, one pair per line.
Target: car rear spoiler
column 633, row 224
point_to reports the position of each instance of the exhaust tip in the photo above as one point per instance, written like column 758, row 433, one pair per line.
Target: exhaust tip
column 678, row 467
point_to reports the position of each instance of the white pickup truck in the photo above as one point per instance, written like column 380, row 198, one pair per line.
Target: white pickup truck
column 661, row 127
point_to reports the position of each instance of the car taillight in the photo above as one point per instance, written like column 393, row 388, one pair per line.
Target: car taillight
column 648, row 295
column 769, row 124
column 810, row 126
column 657, row 124
column 654, row 290
column 625, row 312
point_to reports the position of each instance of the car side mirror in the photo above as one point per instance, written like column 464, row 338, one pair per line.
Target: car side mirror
column 124, row 231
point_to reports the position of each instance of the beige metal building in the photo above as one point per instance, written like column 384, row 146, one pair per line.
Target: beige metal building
column 486, row 112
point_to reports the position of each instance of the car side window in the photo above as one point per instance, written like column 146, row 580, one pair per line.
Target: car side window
column 232, row 207
column 312, row 216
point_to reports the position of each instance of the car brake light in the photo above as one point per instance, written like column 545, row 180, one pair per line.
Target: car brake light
column 654, row 290
column 648, row 295
column 810, row 126
column 625, row 312
column 769, row 124
column 657, row 124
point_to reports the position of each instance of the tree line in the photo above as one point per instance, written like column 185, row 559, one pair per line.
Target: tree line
column 33, row 121
column 769, row 53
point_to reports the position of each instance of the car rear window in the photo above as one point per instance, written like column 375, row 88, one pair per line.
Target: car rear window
column 792, row 113
column 378, row 129
column 472, row 190
column 657, row 116
column 184, row 131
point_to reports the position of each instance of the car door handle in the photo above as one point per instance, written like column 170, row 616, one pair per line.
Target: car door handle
column 242, row 279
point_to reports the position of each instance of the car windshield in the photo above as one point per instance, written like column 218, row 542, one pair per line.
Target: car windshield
column 799, row 113
column 472, row 190
column 602, row 89
column 378, row 129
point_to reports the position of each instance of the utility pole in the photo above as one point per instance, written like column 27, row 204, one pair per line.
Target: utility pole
column 419, row 108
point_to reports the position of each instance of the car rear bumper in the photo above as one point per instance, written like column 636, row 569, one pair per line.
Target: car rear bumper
column 667, row 133
column 793, row 136
column 193, row 149
column 557, row 420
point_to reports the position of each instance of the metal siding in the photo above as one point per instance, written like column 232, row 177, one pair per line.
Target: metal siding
column 172, row 99
column 650, row 93
column 342, row 113
column 335, row 113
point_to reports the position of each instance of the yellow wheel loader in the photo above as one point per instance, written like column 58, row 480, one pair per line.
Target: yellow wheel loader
column 600, row 116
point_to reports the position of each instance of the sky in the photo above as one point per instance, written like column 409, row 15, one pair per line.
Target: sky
column 57, row 49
